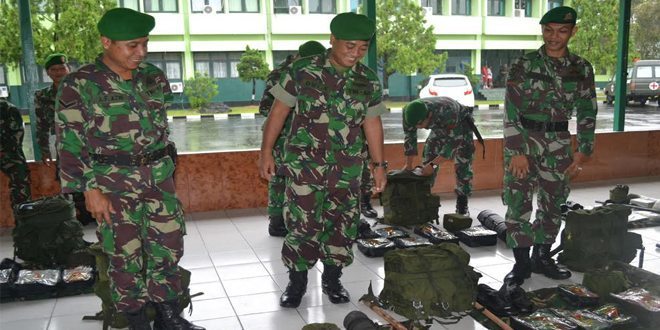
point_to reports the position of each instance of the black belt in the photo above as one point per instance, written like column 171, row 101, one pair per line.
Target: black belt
column 544, row 126
column 133, row 160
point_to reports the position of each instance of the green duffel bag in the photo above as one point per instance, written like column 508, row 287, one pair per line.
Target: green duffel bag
column 47, row 232
column 605, row 281
column 593, row 238
column 429, row 282
column 407, row 199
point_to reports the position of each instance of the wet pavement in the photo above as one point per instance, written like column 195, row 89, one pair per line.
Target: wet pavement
column 235, row 133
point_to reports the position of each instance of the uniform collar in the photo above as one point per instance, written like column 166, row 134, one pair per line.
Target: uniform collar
column 102, row 67
column 542, row 54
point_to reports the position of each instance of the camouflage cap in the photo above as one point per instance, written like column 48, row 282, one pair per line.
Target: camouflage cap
column 414, row 112
column 311, row 48
column 352, row 26
column 125, row 24
column 562, row 15
column 54, row 59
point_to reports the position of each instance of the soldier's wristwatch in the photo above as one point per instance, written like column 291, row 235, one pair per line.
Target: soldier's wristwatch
column 382, row 164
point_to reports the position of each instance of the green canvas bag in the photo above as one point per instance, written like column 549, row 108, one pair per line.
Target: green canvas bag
column 47, row 232
column 109, row 314
column 407, row 199
column 593, row 238
column 428, row 282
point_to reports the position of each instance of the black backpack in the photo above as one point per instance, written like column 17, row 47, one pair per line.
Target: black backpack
column 47, row 232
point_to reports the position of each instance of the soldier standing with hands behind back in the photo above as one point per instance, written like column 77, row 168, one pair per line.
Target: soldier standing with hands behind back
column 334, row 98
column 113, row 145
column 57, row 67
column 543, row 89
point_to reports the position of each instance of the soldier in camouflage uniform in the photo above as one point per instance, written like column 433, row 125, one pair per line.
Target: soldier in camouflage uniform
column 451, row 126
column 336, row 103
column 543, row 90
column 112, row 139
column 276, row 185
column 44, row 104
column 12, row 159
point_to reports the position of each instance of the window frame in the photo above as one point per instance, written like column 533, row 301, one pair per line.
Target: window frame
column 554, row 3
column 321, row 2
column 207, row 3
column 162, row 59
column 228, row 58
column 284, row 10
column 121, row 3
column 468, row 8
column 244, row 7
column 160, row 6
column 437, row 9
column 501, row 8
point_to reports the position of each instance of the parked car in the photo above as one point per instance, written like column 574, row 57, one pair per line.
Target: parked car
column 643, row 83
column 455, row 86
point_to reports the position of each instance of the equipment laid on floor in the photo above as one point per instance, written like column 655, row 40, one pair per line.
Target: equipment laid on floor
column 454, row 222
column 407, row 199
column 493, row 221
column 47, row 232
column 477, row 236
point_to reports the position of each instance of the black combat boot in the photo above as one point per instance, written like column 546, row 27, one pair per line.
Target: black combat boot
column 276, row 226
column 168, row 318
column 138, row 320
column 461, row 203
column 366, row 208
column 295, row 289
column 542, row 263
column 522, row 269
column 332, row 285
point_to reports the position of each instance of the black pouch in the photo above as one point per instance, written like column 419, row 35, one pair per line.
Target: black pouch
column 542, row 319
column 75, row 281
column 8, row 272
column 641, row 303
column 390, row 232
column 411, row 242
column 435, row 235
column 365, row 231
column 37, row 284
column 578, row 295
column 374, row 247
column 477, row 236
column 491, row 300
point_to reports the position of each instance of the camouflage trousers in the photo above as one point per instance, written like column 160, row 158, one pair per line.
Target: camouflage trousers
column 367, row 184
column 549, row 158
column 15, row 167
column 456, row 144
column 144, row 244
column 321, row 217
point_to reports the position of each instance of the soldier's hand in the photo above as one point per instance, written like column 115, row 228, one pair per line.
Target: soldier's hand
column 428, row 169
column 380, row 179
column 519, row 166
column 98, row 204
column 266, row 165
column 575, row 168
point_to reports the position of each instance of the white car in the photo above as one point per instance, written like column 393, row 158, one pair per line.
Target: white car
column 455, row 86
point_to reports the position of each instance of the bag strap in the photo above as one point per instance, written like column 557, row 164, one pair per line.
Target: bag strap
column 470, row 122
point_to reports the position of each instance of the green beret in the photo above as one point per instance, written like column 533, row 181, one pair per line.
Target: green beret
column 125, row 24
column 414, row 112
column 562, row 15
column 54, row 59
column 311, row 48
column 352, row 26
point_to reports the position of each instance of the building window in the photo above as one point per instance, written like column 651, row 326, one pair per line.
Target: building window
column 435, row 4
column 197, row 6
column 218, row 64
column 555, row 3
column 461, row 7
column 170, row 63
column 132, row 4
column 283, row 6
column 161, row 6
column 495, row 7
column 244, row 6
column 528, row 8
column 354, row 5
column 456, row 60
column 280, row 55
column 322, row 6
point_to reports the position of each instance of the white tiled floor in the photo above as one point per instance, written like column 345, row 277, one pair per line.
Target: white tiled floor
column 237, row 266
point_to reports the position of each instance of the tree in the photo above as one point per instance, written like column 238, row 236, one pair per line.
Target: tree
column 404, row 44
column 200, row 90
column 252, row 66
column 66, row 26
column 645, row 28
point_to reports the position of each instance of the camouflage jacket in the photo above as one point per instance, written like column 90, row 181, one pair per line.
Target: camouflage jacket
column 11, row 128
column 446, row 114
column 99, row 112
column 329, row 109
column 273, row 78
column 549, row 89
column 44, row 109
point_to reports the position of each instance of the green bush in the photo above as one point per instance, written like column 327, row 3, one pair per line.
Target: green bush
column 200, row 90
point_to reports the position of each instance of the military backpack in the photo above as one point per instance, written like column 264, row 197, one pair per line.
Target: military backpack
column 109, row 314
column 429, row 282
column 47, row 232
column 407, row 199
column 593, row 238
